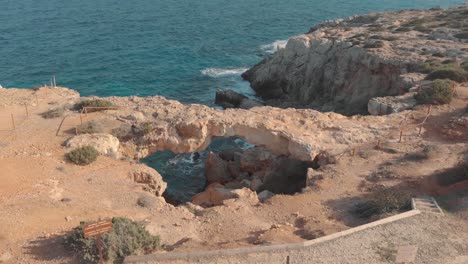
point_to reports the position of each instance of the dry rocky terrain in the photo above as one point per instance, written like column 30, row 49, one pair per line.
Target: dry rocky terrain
column 308, row 170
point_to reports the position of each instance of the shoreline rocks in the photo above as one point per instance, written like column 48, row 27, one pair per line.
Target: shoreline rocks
column 230, row 99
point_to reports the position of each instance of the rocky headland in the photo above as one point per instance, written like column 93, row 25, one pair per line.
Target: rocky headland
column 340, row 65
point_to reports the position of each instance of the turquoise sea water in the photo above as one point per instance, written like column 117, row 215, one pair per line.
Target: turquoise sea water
column 180, row 49
column 156, row 47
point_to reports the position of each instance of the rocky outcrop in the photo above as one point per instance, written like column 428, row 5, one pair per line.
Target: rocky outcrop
column 258, row 170
column 230, row 99
column 391, row 104
column 216, row 194
column 340, row 65
column 105, row 144
column 149, row 179
column 216, row 169
column 325, row 74
column 300, row 134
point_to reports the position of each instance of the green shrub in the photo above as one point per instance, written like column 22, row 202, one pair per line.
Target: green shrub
column 403, row 29
column 416, row 22
column 391, row 38
column 422, row 28
column 374, row 45
column 463, row 35
column 431, row 151
column 54, row 113
column 83, row 156
column 387, row 38
column 464, row 65
column 382, row 202
column 90, row 127
column 438, row 92
column 123, row 133
column 439, row 55
column 93, row 103
column 126, row 238
column 455, row 74
column 434, row 65
column 146, row 128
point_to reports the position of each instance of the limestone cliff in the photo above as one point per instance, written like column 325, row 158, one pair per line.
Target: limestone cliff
column 339, row 65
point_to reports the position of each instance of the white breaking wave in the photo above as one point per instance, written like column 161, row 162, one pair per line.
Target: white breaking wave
column 275, row 46
column 217, row 72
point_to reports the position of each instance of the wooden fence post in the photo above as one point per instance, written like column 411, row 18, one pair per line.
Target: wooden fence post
column 429, row 108
column 60, row 126
column 13, row 122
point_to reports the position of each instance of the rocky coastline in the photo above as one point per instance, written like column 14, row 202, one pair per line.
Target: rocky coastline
column 315, row 153
column 340, row 65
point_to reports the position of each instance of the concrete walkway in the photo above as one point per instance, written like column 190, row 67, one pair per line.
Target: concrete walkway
column 439, row 239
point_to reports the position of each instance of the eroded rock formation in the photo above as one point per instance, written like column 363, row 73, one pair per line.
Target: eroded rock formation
column 299, row 134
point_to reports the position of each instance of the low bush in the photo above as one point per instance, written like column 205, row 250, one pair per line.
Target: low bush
column 54, row 113
column 146, row 128
column 403, row 29
column 463, row 35
column 416, row 22
column 435, row 65
column 374, row 45
column 387, row 38
column 90, row 127
column 83, row 156
column 93, row 103
column 431, row 151
column 382, row 202
column 464, row 65
column 123, row 132
column 456, row 74
column 126, row 238
column 422, row 28
column 438, row 55
column 438, row 92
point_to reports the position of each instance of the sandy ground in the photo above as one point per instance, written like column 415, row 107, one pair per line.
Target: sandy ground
column 42, row 196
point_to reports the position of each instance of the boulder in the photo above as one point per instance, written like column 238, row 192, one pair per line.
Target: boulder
column 245, row 195
column 230, row 99
column 149, row 179
column 216, row 169
column 265, row 195
column 391, row 104
column 256, row 183
column 213, row 195
column 255, row 159
column 249, row 103
column 105, row 144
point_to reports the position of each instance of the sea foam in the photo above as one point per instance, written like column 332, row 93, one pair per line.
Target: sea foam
column 275, row 46
column 218, row 72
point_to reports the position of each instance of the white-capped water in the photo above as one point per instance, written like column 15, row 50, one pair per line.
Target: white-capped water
column 218, row 72
column 275, row 46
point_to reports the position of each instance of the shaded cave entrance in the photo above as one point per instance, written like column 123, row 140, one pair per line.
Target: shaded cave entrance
column 232, row 162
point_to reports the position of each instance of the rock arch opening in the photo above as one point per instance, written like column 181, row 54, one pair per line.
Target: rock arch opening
column 208, row 177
